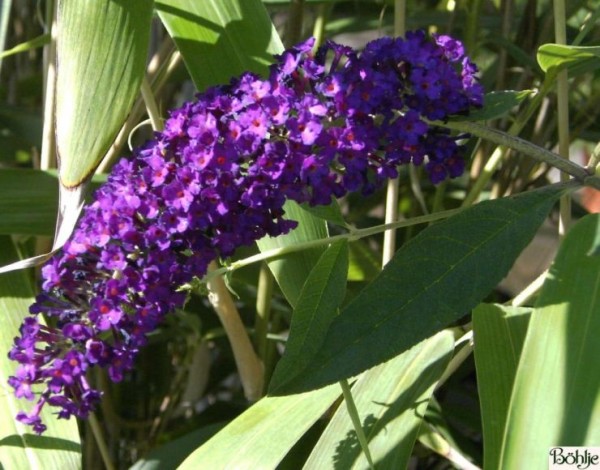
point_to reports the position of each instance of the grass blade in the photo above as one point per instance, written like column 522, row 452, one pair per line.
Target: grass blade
column 555, row 396
column 499, row 333
column 392, row 399
column 262, row 436
column 59, row 447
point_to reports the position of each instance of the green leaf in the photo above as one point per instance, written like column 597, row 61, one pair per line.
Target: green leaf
column 291, row 270
column 102, row 50
column 432, row 281
column 594, row 249
column 316, row 307
column 496, row 104
column 391, row 399
column 330, row 213
column 172, row 454
column 28, row 200
column 572, row 57
column 287, row 2
column 499, row 333
column 220, row 39
column 262, row 436
column 364, row 264
column 59, row 446
column 556, row 390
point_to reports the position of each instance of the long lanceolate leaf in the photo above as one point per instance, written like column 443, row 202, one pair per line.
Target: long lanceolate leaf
column 499, row 334
column 28, row 200
column 555, row 396
column 60, row 446
column 220, row 39
column 317, row 305
column 432, row 281
column 101, row 54
column 391, row 399
column 262, row 435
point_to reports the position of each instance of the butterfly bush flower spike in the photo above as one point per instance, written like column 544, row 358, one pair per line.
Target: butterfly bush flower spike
column 319, row 126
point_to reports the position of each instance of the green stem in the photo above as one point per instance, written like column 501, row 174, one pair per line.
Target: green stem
column 521, row 145
column 151, row 105
column 391, row 215
column 400, row 17
column 472, row 28
column 438, row 198
column 95, row 426
column 415, row 186
column 48, row 156
column 350, row 236
column 294, row 23
column 562, row 93
column 320, row 22
column 353, row 412
column 263, row 311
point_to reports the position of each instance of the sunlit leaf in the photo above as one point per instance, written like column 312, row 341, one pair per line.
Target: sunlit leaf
column 555, row 396
column 391, row 399
column 499, row 333
column 330, row 212
column 101, row 53
column 572, row 57
column 496, row 104
column 59, row 446
column 291, row 270
column 28, row 200
column 220, row 39
column 261, row 436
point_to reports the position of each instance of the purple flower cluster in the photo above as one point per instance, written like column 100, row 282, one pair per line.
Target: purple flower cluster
column 216, row 178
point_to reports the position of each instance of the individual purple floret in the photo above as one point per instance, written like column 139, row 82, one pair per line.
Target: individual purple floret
column 217, row 178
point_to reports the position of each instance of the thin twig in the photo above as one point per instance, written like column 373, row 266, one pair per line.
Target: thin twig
column 350, row 236
column 562, row 95
column 521, row 145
